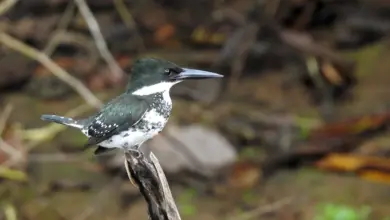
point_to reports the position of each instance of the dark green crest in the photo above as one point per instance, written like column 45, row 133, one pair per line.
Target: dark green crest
column 149, row 71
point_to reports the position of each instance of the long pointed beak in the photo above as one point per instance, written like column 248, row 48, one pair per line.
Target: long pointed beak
column 196, row 74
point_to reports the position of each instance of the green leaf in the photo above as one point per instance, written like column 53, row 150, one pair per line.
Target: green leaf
column 12, row 174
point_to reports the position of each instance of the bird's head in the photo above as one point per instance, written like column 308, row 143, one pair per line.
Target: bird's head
column 150, row 76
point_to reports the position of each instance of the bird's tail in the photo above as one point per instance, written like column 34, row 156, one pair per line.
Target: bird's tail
column 63, row 120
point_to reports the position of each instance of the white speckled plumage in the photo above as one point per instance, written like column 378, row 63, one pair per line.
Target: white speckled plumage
column 153, row 121
column 135, row 137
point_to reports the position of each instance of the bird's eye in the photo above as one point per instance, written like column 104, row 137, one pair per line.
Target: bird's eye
column 169, row 72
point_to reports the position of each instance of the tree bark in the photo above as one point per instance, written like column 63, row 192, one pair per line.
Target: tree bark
column 153, row 185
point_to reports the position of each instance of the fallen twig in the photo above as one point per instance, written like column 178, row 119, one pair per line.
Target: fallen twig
column 153, row 185
column 12, row 174
column 10, row 211
column 4, row 117
column 262, row 210
column 38, row 135
column 74, row 38
column 6, row 5
column 237, row 49
column 128, row 19
column 33, row 53
column 99, row 39
column 304, row 43
column 63, row 23
column 12, row 152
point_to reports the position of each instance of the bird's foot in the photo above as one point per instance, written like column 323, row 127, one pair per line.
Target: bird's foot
column 135, row 152
column 128, row 173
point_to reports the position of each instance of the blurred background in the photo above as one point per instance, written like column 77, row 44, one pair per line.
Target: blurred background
column 297, row 129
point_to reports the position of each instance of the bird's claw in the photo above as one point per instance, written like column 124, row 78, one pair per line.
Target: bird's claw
column 128, row 173
column 135, row 153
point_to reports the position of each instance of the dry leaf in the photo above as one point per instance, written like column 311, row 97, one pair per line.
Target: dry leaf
column 340, row 162
column 376, row 176
column 164, row 33
column 331, row 73
column 202, row 35
column 354, row 126
column 244, row 175
column 367, row 167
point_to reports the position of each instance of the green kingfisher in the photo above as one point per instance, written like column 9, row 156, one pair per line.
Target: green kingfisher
column 138, row 114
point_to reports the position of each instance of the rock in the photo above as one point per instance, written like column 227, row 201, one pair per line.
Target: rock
column 195, row 147
column 171, row 160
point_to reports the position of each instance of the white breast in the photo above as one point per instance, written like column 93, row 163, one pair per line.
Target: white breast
column 154, row 118
column 128, row 139
column 167, row 98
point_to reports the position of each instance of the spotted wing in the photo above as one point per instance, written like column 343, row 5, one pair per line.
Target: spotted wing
column 117, row 116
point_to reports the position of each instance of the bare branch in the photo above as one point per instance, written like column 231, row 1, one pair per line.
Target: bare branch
column 63, row 23
column 4, row 117
column 74, row 38
column 6, row 5
column 99, row 39
column 129, row 21
column 33, row 53
column 38, row 135
column 12, row 152
column 15, row 156
column 153, row 185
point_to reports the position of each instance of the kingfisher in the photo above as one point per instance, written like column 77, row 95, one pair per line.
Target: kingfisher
column 138, row 114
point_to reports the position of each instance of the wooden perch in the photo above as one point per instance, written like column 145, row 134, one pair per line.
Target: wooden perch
column 153, row 185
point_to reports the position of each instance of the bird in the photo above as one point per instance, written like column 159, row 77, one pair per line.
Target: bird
column 138, row 114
